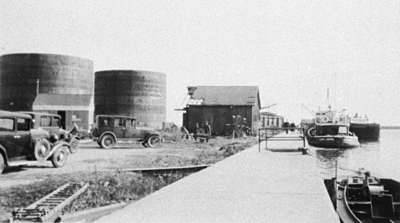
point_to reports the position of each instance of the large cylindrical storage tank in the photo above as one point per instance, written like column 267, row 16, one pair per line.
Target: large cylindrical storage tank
column 141, row 94
column 24, row 76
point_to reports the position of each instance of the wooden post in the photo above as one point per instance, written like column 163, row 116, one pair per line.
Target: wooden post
column 266, row 139
column 259, row 140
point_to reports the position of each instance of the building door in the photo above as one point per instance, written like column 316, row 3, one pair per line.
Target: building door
column 62, row 114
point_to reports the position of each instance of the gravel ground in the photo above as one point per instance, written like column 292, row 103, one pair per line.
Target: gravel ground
column 91, row 159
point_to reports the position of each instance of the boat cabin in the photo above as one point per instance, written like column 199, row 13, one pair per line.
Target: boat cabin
column 373, row 199
column 332, row 117
column 329, row 129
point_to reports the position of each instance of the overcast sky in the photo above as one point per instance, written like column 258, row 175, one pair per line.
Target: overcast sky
column 293, row 50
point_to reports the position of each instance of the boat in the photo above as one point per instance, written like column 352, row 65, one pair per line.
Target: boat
column 332, row 136
column 366, row 199
column 364, row 129
column 331, row 131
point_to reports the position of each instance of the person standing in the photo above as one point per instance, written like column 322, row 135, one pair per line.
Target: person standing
column 207, row 127
column 196, row 131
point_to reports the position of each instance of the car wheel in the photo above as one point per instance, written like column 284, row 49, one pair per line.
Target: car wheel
column 60, row 157
column 153, row 140
column 42, row 149
column 2, row 163
column 107, row 141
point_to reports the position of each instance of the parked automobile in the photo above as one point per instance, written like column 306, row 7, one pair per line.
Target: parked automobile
column 109, row 129
column 52, row 124
column 19, row 142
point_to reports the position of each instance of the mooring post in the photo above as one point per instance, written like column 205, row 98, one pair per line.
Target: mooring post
column 259, row 140
column 266, row 139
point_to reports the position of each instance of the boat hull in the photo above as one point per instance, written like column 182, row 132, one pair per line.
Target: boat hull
column 366, row 131
column 333, row 141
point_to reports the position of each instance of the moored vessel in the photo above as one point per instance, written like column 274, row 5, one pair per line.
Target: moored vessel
column 368, row 199
column 331, row 131
column 364, row 129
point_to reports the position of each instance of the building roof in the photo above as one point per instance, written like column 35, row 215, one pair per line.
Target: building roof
column 62, row 102
column 224, row 95
column 4, row 113
column 116, row 116
column 265, row 113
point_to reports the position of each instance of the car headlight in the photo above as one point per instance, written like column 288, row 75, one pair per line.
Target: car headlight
column 54, row 137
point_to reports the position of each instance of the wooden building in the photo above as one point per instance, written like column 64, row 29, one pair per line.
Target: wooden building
column 269, row 119
column 223, row 107
column 71, row 107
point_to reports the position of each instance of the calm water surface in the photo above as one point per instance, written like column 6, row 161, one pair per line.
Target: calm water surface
column 381, row 158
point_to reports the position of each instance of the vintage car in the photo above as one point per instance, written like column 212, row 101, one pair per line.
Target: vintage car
column 52, row 124
column 19, row 142
column 109, row 129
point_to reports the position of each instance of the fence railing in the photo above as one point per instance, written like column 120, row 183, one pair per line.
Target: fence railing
column 273, row 134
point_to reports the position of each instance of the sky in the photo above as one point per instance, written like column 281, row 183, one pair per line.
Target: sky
column 293, row 50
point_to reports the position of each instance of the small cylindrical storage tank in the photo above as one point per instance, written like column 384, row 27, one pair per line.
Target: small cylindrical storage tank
column 24, row 76
column 141, row 94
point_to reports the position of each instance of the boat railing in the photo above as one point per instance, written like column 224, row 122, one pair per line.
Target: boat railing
column 274, row 134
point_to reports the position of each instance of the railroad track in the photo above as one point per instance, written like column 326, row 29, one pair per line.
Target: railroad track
column 49, row 208
column 162, row 170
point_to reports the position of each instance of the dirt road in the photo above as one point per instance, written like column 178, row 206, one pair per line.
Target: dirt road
column 90, row 158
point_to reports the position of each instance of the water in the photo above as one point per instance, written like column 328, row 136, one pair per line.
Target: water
column 381, row 158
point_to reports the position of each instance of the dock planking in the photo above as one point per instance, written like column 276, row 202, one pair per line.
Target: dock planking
column 250, row 186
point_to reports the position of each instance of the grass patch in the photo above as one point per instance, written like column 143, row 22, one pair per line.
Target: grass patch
column 104, row 188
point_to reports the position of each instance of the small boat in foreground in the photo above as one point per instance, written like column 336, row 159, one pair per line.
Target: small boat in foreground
column 368, row 199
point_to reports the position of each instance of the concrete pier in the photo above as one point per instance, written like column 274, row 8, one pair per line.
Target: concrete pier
column 250, row 186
